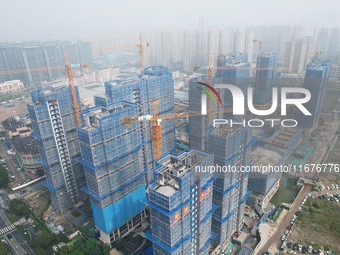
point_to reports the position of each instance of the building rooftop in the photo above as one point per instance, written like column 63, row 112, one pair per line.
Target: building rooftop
column 25, row 145
column 172, row 168
column 280, row 140
column 166, row 190
column 262, row 156
column 246, row 250
column 267, row 54
column 225, row 131
column 13, row 123
column 96, row 113
column 149, row 72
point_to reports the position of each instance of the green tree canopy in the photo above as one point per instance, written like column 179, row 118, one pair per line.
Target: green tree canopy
column 4, row 180
column 18, row 207
column 3, row 249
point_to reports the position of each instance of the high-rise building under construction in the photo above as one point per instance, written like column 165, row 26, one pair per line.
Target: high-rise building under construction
column 199, row 125
column 113, row 162
column 54, row 129
column 264, row 78
column 118, row 159
column 234, row 70
column 156, row 83
column 316, row 81
column 231, row 147
column 180, row 202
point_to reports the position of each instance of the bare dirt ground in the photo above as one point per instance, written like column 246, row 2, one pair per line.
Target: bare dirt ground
column 55, row 217
column 18, row 109
column 38, row 201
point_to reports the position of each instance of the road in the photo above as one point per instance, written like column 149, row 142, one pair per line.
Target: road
column 11, row 163
column 15, row 240
column 276, row 237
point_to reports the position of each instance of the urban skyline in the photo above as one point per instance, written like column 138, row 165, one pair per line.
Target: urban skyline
column 109, row 19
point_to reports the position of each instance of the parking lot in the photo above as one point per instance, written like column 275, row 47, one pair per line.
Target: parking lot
column 314, row 228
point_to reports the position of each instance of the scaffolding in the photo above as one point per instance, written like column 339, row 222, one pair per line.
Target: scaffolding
column 62, row 179
column 63, row 152
column 181, row 204
column 113, row 163
column 231, row 146
column 155, row 84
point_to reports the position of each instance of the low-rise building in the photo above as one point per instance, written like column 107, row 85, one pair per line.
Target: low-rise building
column 11, row 86
column 266, row 181
column 18, row 131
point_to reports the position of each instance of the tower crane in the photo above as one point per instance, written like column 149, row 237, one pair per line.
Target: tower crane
column 157, row 133
column 141, row 47
column 157, row 121
column 70, row 76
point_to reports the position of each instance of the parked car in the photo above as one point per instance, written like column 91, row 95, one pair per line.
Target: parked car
column 283, row 237
column 295, row 247
column 304, row 249
column 310, row 249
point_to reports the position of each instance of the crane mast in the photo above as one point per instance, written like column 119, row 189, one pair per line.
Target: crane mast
column 70, row 76
column 141, row 46
column 157, row 131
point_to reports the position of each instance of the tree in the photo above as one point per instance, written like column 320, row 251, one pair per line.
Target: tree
column 47, row 239
column 18, row 207
column 105, row 249
column 78, row 245
column 3, row 249
column 68, row 250
column 94, row 251
column 92, row 242
column 60, row 238
column 4, row 179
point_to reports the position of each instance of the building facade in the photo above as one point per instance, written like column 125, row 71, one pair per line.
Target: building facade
column 113, row 162
column 11, row 86
column 297, row 55
column 235, row 70
column 231, row 147
column 316, row 81
column 54, row 129
column 180, row 202
column 264, row 78
column 35, row 62
column 156, row 84
column 264, row 184
column 199, row 126
column 118, row 159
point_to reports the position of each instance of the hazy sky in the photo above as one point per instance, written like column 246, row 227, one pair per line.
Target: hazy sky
column 71, row 19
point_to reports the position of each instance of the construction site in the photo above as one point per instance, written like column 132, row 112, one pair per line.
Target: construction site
column 128, row 148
